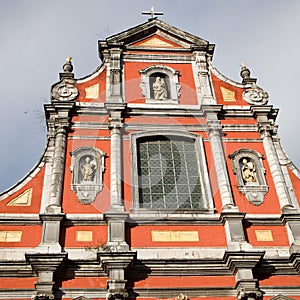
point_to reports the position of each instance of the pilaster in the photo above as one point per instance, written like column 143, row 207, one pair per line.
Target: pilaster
column 45, row 265
column 233, row 223
column 292, row 223
column 242, row 265
column 111, row 52
column 115, row 262
column 201, row 77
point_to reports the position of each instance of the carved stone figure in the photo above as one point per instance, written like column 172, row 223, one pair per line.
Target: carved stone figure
column 88, row 169
column 159, row 89
column 248, row 171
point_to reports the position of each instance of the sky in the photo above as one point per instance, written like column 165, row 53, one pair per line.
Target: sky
column 36, row 36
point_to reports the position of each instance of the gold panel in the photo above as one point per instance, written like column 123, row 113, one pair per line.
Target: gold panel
column 22, row 200
column 155, row 42
column 92, row 92
column 174, row 236
column 84, row 236
column 228, row 95
column 264, row 235
column 10, row 236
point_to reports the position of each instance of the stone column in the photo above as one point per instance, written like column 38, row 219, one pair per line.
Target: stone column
column 58, row 167
column 60, row 115
column 214, row 130
column 116, row 166
column 116, row 125
column 290, row 214
column 267, row 129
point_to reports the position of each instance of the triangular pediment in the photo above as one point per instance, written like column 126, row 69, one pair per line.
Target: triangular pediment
column 156, row 41
column 157, row 34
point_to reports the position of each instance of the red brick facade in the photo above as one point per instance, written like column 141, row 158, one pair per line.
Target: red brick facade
column 124, row 231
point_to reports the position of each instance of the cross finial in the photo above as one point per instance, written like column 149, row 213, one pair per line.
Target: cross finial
column 152, row 13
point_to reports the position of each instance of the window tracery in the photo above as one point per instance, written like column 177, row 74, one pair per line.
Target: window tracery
column 169, row 172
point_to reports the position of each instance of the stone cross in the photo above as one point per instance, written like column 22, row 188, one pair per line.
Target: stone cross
column 152, row 13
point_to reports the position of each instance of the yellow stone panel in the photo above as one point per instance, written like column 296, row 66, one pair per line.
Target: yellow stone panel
column 92, row 92
column 264, row 235
column 10, row 236
column 174, row 236
column 228, row 95
column 22, row 200
column 155, row 42
column 84, row 236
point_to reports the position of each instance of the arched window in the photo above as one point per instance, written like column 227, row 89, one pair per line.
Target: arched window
column 160, row 85
column 170, row 172
column 248, row 167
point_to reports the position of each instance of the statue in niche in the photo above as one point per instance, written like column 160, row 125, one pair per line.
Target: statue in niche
column 88, row 169
column 159, row 89
column 248, row 171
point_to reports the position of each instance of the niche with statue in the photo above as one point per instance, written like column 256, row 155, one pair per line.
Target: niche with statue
column 87, row 169
column 248, row 167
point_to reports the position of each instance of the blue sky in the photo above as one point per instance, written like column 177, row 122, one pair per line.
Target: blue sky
column 36, row 37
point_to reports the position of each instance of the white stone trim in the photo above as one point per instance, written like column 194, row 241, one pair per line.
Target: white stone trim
column 97, row 72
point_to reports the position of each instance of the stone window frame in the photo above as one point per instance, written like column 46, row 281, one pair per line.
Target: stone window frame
column 255, row 191
column 207, row 197
column 173, row 79
column 80, row 188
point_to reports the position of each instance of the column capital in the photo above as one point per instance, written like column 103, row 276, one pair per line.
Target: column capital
column 248, row 290
column 236, row 260
column 214, row 127
column 116, row 294
column 211, row 110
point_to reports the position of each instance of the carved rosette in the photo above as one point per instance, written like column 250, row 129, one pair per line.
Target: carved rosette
column 256, row 96
column 65, row 90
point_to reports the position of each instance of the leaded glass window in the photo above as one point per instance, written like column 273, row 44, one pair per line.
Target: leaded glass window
column 168, row 173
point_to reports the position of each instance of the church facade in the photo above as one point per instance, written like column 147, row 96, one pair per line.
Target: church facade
column 161, row 179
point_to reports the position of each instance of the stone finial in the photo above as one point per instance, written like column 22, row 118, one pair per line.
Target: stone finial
column 68, row 67
column 245, row 74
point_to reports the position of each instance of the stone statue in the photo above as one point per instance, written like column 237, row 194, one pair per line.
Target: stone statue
column 248, row 171
column 88, row 169
column 159, row 89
